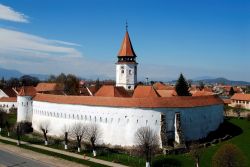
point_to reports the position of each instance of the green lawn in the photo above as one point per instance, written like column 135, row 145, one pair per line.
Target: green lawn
column 242, row 141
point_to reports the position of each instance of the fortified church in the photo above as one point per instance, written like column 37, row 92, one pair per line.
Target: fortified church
column 121, row 110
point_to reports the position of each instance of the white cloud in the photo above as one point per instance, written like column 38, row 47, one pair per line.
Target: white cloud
column 33, row 54
column 7, row 13
column 25, row 45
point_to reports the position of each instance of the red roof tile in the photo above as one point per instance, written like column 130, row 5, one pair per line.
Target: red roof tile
column 46, row 87
column 150, row 102
column 9, row 92
column 239, row 96
column 142, row 91
column 8, row 99
column 201, row 93
column 112, row 91
column 227, row 101
column 27, row 91
column 162, row 86
column 126, row 48
column 166, row 93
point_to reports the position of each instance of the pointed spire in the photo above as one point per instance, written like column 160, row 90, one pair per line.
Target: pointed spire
column 126, row 47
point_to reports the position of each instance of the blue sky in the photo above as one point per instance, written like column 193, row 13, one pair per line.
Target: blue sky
column 198, row 38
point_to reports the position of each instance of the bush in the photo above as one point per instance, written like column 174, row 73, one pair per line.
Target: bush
column 228, row 155
column 164, row 161
column 248, row 117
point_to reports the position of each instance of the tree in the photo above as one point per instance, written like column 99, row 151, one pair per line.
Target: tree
column 237, row 110
column 3, row 118
column 21, row 129
column 201, row 85
column 13, row 82
column 181, row 87
column 77, row 132
column 28, row 80
column 228, row 155
column 66, row 130
column 231, row 91
column 196, row 152
column 44, row 126
column 9, row 126
column 71, row 85
column 19, row 132
column 147, row 143
column 93, row 134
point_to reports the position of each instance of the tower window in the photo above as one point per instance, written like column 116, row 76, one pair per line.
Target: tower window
column 130, row 72
column 122, row 71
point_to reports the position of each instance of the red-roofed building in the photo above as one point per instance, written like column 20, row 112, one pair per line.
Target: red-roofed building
column 27, row 91
column 241, row 99
column 6, row 103
column 126, row 66
column 50, row 88
column 145, row 92
column 112, row 91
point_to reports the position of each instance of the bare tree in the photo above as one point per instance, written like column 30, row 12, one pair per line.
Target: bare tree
column 9, row 126
column 238, row 109
column 196, row 152
column 77, row 132
column 93, row 134
column 44, row 126
column 3, row 118
column 66, row 130
column 20, row 130
column 147, row 143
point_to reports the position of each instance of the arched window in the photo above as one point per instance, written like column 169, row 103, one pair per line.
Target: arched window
column 95, row 118
column 106, row 120
column 155, row 122
column 81, row 117
column 146, row 122
column 111, row 120
column 100, row 119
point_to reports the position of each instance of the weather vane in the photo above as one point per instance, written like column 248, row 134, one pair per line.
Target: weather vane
column 126, row 25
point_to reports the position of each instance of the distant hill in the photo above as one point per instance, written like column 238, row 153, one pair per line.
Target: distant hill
column 7, row 74
column 223, row 81
column 213, row 80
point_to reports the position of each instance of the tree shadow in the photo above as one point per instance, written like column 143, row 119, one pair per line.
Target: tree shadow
column 163, row 161
column 225, row 129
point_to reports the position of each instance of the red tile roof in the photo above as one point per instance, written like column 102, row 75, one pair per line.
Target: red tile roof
column 9, row 92
column 240, row 96
column 162, row 86
column 166, row 93
column 27, row 91
column 142, row 91
column 46, row 87
column 150, row 102
column 227, row 101
column 8, row 99
column 201, row 93
column 112, row 91
column 126, row 47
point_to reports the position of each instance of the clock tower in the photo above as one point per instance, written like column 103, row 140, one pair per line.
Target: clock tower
column 126, row 66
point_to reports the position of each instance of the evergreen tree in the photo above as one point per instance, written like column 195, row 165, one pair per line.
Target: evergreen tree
column 181, row 87
column 231, row 92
